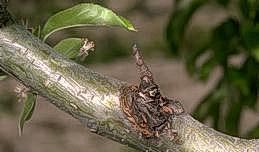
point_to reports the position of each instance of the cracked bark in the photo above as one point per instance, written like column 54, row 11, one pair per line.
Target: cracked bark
column 93, row 98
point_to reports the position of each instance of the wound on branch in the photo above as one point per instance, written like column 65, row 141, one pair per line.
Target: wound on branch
column 147, row 110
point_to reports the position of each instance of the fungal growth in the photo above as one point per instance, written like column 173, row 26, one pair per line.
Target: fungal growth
column 147, row 110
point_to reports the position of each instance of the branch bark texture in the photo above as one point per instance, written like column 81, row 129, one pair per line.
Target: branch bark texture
column 93, row 98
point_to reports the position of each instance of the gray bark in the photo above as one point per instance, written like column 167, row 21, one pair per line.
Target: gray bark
column 93, row 98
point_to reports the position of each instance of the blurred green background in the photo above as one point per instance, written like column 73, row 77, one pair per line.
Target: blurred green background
column 204, row 53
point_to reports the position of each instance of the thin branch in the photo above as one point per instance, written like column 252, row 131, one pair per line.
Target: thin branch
column 94, row 99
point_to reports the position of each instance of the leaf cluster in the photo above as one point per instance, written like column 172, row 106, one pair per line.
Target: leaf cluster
column 235, row 37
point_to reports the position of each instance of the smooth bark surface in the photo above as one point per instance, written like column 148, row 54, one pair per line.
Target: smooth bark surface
column 94, row 99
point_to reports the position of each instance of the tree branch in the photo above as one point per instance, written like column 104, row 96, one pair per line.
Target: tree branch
column 94, row 99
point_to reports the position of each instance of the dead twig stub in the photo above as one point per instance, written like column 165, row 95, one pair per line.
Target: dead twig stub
column 147, row 110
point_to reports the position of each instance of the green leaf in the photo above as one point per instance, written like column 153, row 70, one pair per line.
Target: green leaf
column 233, row 116
column 206, row 68
column 250, row 36
column 3, row 75
column 84, row 15
column 29, row 106
column 250, row 75
column 239, row 81
column 69, row 47
column 249, row 9
column 256, row 53
column 244, row 8
column 193, row 56
column 210, row 104
column 223, row 2
column 179, row 20
column 201, row 112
